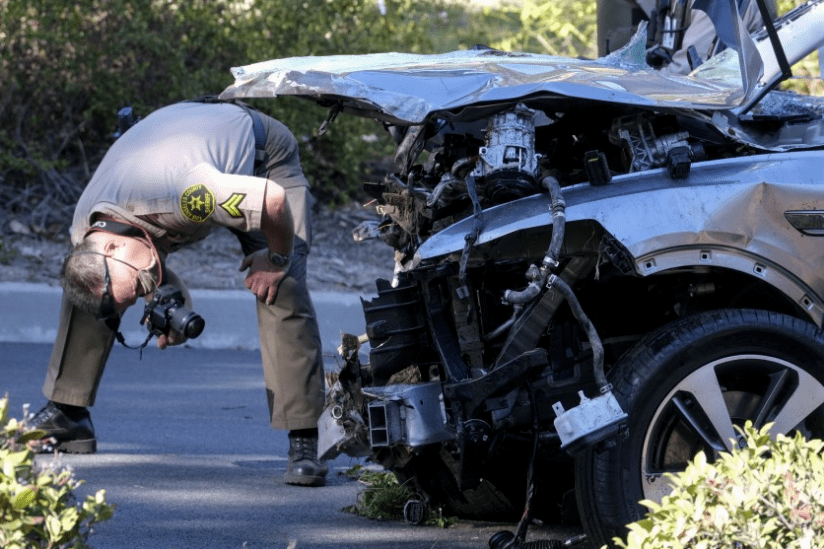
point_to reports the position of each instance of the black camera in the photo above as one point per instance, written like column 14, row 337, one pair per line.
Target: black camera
column 166, row 312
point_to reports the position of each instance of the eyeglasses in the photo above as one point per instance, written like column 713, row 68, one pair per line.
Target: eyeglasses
column 108, row 313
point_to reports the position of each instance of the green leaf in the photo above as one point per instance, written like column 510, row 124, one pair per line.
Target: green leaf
column 18, row 458
column 34, row 434
column 13, row 525
column 8, row 468
column 69, row 519
column 24, row 498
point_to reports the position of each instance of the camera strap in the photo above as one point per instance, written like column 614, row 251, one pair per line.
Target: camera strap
column 114, row 326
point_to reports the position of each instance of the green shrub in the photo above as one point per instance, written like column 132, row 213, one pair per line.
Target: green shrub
column 37, row 504
column 767, row 495
column 382, row 496
column 554, row 27
column 68, row 67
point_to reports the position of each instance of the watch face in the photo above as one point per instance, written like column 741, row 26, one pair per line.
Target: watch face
column 278, row 259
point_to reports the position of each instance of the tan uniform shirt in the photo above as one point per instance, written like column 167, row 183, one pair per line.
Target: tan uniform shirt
column 178, row 173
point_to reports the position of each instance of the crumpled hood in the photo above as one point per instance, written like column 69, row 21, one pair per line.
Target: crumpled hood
column 410, row 88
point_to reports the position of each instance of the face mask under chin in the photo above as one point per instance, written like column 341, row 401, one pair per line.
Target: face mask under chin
column 148, row 284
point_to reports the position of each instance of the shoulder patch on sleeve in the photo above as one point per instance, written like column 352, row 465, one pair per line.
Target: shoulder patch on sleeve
column 197, row 203
column 231, row 205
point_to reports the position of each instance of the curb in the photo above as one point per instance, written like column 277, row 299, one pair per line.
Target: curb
column 30, row 315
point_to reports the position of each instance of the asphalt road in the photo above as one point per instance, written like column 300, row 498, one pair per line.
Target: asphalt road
column 186, row 454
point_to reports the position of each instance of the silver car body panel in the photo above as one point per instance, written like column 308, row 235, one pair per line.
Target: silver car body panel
column 728, row 213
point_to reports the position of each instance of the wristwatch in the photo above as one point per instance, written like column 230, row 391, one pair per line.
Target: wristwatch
column 278, row 260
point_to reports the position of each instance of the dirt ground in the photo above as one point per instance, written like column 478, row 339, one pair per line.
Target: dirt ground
column 337, row 261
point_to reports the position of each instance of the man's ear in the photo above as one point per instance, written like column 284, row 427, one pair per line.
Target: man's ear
column 101, row 242
column 110, row 245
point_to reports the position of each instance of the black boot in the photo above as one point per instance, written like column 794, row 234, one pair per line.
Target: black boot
column 68, row 429
column 305, row 469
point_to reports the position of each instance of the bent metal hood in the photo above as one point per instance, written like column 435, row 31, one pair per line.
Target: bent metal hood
column 409, row 89
column 412, row 89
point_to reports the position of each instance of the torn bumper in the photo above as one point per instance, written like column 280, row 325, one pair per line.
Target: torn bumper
column 406, row 415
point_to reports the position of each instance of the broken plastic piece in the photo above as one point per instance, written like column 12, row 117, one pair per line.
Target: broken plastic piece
column 589, row 423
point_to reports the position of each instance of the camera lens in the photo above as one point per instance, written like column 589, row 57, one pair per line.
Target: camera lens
column 193, row 325
column 186, row 321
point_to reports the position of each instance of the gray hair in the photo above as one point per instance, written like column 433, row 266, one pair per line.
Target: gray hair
column 82, row 277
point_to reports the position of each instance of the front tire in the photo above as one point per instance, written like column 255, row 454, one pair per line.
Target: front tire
column 684, row 388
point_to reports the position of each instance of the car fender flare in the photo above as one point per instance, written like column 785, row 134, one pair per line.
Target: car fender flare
column 765, row 269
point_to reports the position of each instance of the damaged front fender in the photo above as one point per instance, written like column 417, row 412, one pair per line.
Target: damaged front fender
column 728, row 213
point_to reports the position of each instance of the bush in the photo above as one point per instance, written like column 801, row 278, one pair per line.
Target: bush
column 68, row 67
column 382, row 496
column 554, row 27
column 769, row 494
column 37, row 504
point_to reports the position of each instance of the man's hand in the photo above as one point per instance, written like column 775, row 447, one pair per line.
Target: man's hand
column 263, row 277
column 174, row 338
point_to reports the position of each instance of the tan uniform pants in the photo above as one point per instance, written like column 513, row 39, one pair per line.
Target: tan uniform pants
column 289, row 340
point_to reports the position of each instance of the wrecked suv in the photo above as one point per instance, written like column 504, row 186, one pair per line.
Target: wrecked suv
column 600, row 269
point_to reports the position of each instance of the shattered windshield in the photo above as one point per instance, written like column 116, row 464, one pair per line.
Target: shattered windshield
column 799, row 33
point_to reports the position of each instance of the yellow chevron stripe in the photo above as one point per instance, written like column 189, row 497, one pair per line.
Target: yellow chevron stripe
column 231, row 205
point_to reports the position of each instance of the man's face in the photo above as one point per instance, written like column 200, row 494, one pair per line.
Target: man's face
column 126, row 257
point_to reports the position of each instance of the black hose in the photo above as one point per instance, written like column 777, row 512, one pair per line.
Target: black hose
column 536, row 281
column 550, row 261
column 558, row 222
column 589, row 328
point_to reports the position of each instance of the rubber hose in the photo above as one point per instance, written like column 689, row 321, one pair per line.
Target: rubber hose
column 558, row 221
column 589, row 328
